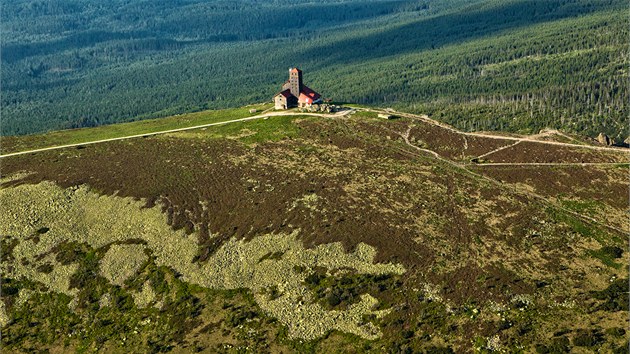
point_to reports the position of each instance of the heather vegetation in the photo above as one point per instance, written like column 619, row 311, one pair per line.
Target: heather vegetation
column 352, row 233
column 480, row 65
column 314, row 233
column 118, row 233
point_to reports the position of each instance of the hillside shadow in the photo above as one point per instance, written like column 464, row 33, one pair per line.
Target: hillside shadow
column 433, row 33
column 263, row 23
column 135, row 40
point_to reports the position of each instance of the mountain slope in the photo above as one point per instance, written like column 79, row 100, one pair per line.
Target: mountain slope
column 484, row 65
column 311, row 234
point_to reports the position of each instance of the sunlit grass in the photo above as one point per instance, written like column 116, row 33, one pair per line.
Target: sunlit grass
column 83, row 135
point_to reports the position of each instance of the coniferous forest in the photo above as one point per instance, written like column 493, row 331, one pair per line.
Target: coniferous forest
column 189, row 217
column 511, row 65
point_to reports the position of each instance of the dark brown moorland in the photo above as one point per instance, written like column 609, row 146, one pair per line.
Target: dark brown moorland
column 513, row 254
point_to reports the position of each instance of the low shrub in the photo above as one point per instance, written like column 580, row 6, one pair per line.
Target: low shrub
column 557, row 345
column 615, row 296
column 588, row 338
column 612, row 251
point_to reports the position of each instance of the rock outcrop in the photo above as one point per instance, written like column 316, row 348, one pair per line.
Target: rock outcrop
column 605, row 139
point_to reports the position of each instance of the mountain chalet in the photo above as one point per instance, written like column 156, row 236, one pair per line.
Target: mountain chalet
column 295, row 94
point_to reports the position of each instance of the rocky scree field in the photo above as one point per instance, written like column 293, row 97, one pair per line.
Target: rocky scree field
column 307, row 234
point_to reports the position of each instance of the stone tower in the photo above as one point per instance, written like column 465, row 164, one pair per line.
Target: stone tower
column 295, row 80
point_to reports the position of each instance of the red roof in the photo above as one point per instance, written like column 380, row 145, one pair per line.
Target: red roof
column 286, row 93
column 309, row 96
column 296, row 70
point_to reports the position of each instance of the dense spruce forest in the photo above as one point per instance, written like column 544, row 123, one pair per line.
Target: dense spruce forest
column 512, row 65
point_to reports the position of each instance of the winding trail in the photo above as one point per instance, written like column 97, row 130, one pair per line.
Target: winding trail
column 513, row 189
column 144, row 135
column 426, row 119
column 525, row 164
column 406, row 137
column 498, row 149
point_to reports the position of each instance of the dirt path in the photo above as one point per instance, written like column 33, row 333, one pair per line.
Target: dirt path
column 547, row 164
column 260, row 116
column 513, row 189
column 559, row 133
column 497, row 150
column 426, row 118
column 405, row 135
